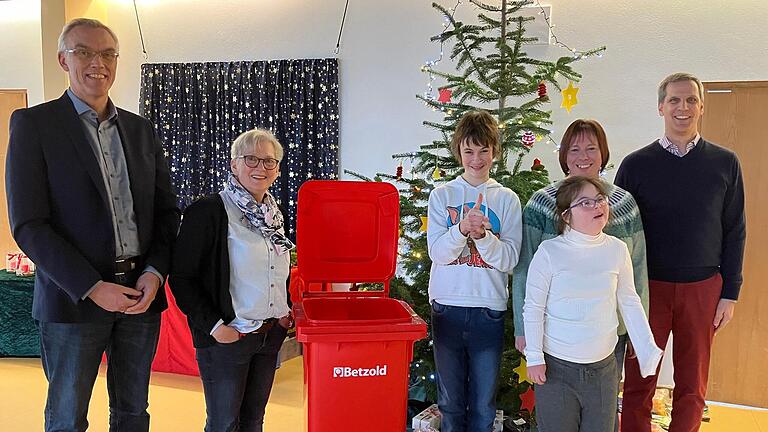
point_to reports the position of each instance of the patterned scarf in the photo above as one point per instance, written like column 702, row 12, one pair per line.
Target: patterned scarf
column 265, row 217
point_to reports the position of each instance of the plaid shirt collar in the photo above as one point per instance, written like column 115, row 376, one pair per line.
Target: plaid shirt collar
column 670, row 147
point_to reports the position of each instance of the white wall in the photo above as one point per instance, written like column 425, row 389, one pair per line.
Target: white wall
column 385, row 43
column 383, row 46
column 21, row 64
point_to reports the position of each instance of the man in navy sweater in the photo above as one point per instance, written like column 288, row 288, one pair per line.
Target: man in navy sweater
column 691, row 198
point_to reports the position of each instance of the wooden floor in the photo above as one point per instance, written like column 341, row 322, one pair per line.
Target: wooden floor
column 177, row 404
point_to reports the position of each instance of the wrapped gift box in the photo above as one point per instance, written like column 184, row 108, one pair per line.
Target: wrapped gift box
column 429, row 420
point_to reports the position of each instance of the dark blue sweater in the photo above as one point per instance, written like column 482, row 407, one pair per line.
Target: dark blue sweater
column 693, row 212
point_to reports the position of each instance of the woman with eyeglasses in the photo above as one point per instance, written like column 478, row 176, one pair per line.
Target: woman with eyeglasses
column 583, row 152
column 575, row 283
column 229, row 272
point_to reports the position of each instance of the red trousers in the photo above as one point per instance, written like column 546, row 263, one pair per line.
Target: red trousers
column 687, row 310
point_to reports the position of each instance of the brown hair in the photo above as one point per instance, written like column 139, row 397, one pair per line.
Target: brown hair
column 580, row 127
column 478, row 127
column 569, row 190
column 677, row 77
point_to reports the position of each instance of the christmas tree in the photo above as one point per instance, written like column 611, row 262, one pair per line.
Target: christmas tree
column 494, row 73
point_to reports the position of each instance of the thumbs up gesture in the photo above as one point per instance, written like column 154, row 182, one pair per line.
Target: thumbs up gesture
column 475, row 222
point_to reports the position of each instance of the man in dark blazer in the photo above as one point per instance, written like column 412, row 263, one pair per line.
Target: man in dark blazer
column 90, row 202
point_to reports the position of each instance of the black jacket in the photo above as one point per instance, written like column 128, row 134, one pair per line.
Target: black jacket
column 199, row 276
column 59, row 213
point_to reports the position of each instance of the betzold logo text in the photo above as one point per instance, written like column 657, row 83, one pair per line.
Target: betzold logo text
column 347, row 372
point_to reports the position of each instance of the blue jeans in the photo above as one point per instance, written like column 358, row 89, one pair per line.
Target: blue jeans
column 468, row 342
column 71, row 354
column 237, row 379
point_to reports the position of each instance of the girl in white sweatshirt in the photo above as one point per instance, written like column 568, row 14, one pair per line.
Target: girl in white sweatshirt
column 473, row 237
column 574, row 283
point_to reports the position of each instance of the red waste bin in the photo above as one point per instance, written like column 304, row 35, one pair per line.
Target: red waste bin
column 358, row 345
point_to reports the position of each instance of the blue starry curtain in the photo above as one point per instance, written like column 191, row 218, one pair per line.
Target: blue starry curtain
column 198, row 110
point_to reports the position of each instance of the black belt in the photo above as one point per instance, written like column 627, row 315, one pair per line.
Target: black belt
column 126, row 265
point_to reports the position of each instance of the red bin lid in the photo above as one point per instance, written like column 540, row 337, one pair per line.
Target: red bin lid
column 347, row 231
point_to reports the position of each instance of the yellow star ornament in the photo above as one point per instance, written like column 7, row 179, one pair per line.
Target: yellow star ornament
column 569, row 97
column 436, row 175
column 522, row 371
column 423, row 227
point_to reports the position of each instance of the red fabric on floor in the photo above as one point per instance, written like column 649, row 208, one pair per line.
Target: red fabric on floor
column 175, row 352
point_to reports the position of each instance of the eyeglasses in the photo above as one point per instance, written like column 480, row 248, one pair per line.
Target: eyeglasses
column 108, row 56
column 253, row 162
column 589, row 203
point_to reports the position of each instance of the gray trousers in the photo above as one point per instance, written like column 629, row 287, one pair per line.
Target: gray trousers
column 619, row 352
column 577, row 397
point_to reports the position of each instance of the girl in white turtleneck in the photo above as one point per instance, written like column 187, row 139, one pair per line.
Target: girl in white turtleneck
column 575, row 282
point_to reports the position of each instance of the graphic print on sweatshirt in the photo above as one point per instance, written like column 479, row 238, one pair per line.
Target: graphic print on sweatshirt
column 470, row 256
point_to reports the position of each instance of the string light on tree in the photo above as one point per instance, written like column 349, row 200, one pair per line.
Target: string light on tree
column 430, row 64
column 578, row 55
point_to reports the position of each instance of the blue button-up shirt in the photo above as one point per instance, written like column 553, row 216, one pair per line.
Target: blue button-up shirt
column 106, row 144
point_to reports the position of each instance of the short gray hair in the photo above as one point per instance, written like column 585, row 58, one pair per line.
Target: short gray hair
column 83, row 22
column 250, row 138
column 677, row 77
